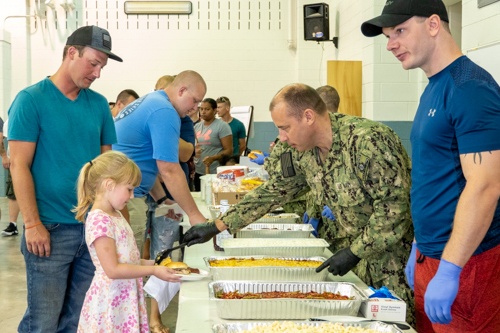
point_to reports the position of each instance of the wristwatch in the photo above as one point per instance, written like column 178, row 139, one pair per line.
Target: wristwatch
column 161, row 200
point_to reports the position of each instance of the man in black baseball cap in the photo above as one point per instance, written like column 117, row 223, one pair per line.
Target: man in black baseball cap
column 94, row 37
column 398, row 11
column 455, row 172
column 63, row 113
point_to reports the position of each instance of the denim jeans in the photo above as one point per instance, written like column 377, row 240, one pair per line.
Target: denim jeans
column 163, row 231
column 57, row 284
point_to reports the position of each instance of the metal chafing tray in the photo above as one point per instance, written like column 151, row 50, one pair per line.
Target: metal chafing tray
column 275, row 230
column 268, row 218
column 266, row 273
column 284, row 308
column 279, row 218
column 240, row 327
column 288, row 247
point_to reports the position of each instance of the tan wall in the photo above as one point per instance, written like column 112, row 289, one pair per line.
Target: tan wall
column 345, row 76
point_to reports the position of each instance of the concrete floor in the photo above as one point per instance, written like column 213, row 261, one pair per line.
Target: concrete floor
column 13, row 280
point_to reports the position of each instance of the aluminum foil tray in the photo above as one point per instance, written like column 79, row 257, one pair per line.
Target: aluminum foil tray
column 284, row 308
column 266, row 273
column 279, row 218
column 240, row 327
column 284, row 247
column 275, row 230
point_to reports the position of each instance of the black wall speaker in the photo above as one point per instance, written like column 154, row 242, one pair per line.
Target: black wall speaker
column 316, row 22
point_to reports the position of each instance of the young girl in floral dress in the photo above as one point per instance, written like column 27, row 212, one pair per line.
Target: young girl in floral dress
column 115, row 299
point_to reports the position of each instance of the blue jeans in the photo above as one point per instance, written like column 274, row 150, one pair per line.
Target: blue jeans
column 57, row 284
column 163, row 231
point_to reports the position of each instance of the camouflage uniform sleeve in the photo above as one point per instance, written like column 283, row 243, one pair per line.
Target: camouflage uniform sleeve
column 296, row 206
column 270, row 195
column 383, row 166
column 312, row 208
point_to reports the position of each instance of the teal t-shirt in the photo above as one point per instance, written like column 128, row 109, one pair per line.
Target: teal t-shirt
column 239, row 132
column 68, row 133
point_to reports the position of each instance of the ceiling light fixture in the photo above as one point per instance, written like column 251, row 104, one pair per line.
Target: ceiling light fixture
column 158, row 7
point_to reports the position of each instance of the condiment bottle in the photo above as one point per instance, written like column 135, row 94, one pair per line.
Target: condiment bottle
column 224, row 206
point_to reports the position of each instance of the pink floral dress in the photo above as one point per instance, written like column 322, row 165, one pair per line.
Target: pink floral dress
column 113, row 305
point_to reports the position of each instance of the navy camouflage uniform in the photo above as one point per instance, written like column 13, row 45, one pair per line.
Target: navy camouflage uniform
column 365, row 180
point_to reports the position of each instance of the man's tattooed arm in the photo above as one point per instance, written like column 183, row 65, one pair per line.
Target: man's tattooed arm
column 477, row 157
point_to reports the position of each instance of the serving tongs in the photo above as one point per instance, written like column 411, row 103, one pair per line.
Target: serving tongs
column 165, row 253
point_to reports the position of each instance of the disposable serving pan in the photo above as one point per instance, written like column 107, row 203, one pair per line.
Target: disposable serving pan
column 266, row 273
column 286, row 247
column 284, row 308
column 279, row 218
column 237, row 327
column 275, row 230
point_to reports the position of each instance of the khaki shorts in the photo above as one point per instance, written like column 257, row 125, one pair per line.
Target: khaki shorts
column 137, row 209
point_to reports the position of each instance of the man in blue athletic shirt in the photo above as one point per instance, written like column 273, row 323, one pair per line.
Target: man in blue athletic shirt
column 454, row 261
column 148, row 132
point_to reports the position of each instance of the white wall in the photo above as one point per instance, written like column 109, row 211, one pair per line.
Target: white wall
column 241, row 48
column 14, row 55
column 6, row 73
column 480, row 26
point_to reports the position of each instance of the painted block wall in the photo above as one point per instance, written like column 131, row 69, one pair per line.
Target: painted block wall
column 268, row 132
column 246, row 50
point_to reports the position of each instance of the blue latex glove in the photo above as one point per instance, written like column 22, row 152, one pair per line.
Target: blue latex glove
column 327, row 212
column 312, row 221
column 383, row 292
column 410, row 266
column 441, row 292
column 260, row 158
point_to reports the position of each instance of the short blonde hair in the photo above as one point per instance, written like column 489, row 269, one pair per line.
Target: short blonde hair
column 164, row 81
column 112, row 165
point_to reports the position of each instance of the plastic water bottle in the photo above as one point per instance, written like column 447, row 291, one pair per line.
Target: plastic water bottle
column 224, row 206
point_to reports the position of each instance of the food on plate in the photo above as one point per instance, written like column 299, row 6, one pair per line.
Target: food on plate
column 258, row 262
column 283, row 294
column 165, row 261
column 181, row 268
column 288, row 326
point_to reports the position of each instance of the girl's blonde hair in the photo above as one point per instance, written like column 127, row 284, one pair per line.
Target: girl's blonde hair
column 112, row 165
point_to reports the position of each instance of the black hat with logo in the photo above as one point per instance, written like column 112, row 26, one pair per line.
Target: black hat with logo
column 94, row 37
column 398, row 11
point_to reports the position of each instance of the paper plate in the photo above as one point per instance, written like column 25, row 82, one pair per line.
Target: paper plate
column 194, row 277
